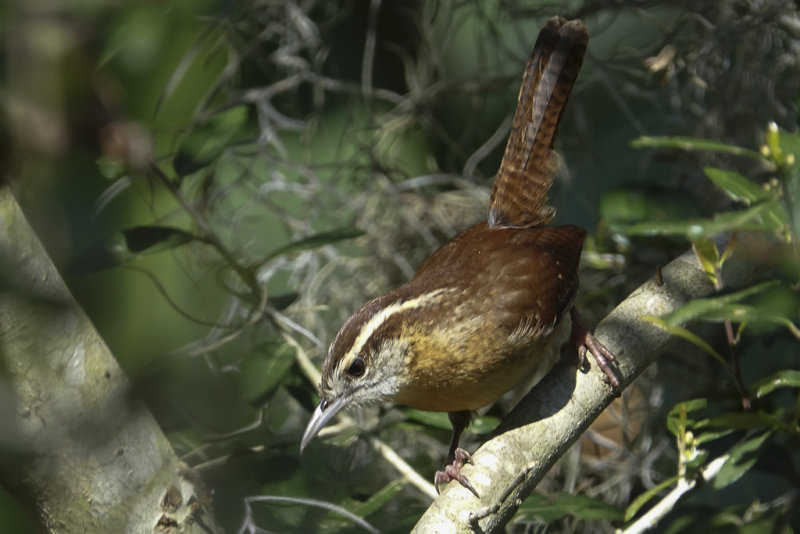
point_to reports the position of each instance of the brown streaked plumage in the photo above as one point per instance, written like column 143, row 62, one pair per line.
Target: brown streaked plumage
column 480, row 313
column 519, row 195
column 519, row 313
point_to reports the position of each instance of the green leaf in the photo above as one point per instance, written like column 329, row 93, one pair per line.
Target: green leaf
column 759, row 526
column 208, row 140
column 637, row 504
column 725, row 308
column 263, row 370
column 678, row 228
column 317, row 240
column 440, row 420
column 705, row 437
column 728, row 252
column 694, row 144
column 736, row 421
column 379, row 499
column 707, row 254
column 678, row 417
column 790, row 144
column 122, row 247
column 738, row 187
column 787, row 378
column 699, row 309
column 625, row 206
column 742, row 313
column 759, row 420
column 140, row 239
column 767, row 216
column 281, row 302
column 691, row 337
column 694, row 458
column 764, row 216
column 484, row 424
column 547, row 509
column 628, row 206
column 437, row 420
column 772, row 140
column 742, row 457
column 681, row 524
column 111, row 168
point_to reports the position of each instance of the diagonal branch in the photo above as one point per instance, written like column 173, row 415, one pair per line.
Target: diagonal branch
column 558, row 409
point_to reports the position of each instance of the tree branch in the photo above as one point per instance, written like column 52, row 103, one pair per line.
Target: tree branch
column 559, row 408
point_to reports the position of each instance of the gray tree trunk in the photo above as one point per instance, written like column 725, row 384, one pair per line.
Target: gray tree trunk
column 77, row 448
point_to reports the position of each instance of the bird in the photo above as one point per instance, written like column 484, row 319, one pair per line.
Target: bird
column 477, row 317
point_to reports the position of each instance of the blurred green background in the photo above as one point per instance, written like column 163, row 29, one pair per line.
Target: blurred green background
column 307, row 156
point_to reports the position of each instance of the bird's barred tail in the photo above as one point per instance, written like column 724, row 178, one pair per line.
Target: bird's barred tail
column 519, row 195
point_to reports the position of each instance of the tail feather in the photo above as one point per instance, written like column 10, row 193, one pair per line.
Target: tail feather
column 519, row 195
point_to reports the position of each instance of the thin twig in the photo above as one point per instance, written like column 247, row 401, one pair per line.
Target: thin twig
column 248, row 524
column 408, row 472
column 683, row 488
column 301, row 357
column 369, row 48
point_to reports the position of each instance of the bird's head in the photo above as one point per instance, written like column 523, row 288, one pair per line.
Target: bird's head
column 365, row 363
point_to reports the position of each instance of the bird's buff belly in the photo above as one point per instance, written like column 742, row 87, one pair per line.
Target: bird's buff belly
column 470, row 384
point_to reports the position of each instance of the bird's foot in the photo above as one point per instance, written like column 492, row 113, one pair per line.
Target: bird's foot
column 585, row 341
column 452, row 471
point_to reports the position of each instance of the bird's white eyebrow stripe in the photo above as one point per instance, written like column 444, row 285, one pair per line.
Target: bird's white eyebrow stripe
column 379, row 318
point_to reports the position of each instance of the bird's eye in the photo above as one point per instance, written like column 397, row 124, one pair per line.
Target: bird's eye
column 357, row 368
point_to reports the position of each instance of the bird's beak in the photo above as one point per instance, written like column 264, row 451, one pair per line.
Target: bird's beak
column 322, row 416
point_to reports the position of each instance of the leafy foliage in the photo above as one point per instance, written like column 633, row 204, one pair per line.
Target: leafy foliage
column 738, row 438
column 547, row 509
column 127, row 245
column 300, row 158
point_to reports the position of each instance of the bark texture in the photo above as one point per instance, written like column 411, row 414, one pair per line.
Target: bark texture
column 77, row 448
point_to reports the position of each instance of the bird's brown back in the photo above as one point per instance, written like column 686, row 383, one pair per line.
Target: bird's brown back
column 517, row 283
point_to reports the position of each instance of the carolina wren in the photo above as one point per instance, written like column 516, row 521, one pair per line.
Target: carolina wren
column 477, row 316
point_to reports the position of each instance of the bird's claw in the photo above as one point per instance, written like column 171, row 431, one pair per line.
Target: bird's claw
column 586, row 342
column 452, row 471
